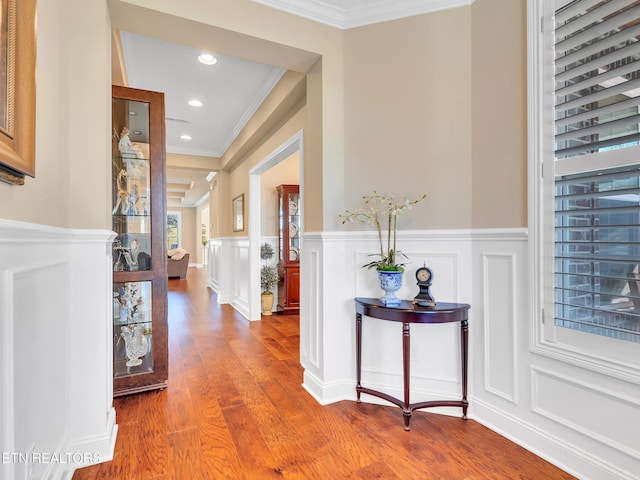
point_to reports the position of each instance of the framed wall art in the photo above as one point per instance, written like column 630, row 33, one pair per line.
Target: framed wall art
column 17, row 90
column 238, row 213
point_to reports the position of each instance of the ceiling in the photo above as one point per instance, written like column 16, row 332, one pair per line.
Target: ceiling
column 232, row 89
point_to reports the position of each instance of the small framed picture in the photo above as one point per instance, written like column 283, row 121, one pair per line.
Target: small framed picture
column 238, row 213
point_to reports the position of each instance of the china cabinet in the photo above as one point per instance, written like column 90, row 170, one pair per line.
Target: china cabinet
column 289, row 214
column 139, row 252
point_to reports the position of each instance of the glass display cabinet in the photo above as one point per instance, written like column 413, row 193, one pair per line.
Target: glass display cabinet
column 140, row 351
column 289, row 214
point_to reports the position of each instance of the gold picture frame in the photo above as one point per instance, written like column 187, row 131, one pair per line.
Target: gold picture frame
column 237, row 205
column 17, row 90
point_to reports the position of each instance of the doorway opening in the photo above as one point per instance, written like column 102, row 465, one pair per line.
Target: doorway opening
column 293, row 146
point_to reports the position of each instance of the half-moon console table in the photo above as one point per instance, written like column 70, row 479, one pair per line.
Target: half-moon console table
column 408, row 313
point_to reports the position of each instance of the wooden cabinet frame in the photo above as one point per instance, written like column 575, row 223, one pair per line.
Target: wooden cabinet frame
column 155, row 274
column 289, row 213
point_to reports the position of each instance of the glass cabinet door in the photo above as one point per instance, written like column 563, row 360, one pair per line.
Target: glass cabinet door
column 289, row 216
column 132, row 315
column 289, row 213
column 281, row 225
column 294, row 226
column 131, row 186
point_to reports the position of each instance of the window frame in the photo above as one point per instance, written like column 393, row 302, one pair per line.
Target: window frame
column 594, row 352
column 178, row 215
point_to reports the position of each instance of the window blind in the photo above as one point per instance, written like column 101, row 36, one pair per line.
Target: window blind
column 597, row 235
column 597, row 76
column 597, row 213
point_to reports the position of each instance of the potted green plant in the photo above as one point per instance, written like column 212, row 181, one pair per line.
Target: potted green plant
column 382, row 212
column 269, row 278
column 204, row 235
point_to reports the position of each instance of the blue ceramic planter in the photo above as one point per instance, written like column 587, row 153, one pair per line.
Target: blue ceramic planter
column 390, row 282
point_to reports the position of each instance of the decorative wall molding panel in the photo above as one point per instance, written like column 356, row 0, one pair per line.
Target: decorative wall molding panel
column 331, row 264
column 229, row 271
column 55, row 299
column 311, row 289
column 548, row 406
column 500, row 339
column 548, row 388
column 213, row 278
column 239, row 253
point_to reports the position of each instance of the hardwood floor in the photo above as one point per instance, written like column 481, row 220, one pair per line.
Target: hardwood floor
column 235, row 409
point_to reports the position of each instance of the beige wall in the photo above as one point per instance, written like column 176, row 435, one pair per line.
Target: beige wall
column 197, row 162
column 214, row 214
column 433, row 103
column 238, row 179
column 499, row 92
column 219, row 205
column 73, row 85
column 441, row 109
column 407, row 115
column 323, row 167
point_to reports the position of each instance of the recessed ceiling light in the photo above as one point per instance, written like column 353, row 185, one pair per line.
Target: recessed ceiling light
column 207, row 59
column 132, row 113
column 185, row 137
column 195, row 103
column 137, row 132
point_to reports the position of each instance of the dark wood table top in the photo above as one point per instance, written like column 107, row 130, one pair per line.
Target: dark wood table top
column 407, row 312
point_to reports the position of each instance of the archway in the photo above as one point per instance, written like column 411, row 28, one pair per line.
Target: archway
column 294, row 144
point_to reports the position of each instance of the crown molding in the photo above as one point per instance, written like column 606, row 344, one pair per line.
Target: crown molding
column 356, row 15
column 269, row 84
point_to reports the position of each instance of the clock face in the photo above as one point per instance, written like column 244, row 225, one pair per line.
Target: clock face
column 423, row 274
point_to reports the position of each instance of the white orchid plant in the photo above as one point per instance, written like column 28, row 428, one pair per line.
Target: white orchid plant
column 382, row 211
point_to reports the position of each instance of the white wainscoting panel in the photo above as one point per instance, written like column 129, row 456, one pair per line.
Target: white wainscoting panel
column 34, row 292
column 500, row 328
column 223, row 275
column 435, row 349
column 239, row 250
column 311, row 314
column 311, row 292
column 56, row 378
column 213, row 280
column 575, row 418
column 552, row 395
column 229, row 271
